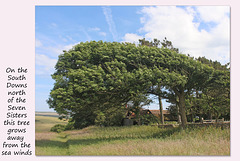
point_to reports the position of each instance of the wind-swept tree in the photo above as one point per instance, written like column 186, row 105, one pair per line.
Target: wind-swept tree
column 96, row 76
column 216, row 93
column 156, row 87
column 99, row 76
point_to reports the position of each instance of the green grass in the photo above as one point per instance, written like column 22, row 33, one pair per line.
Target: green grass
column 44, row 121
column 134, row 140
column 49, row 114
column 49, row 143
column 146, row 140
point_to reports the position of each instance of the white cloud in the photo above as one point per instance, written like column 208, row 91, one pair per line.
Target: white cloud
column 56, row 50
column 98, row 30
column 38, row 43
column 44, row 65
column 44, row 60
column 65, row 38
column 213, row 13
column 94, row 29
column 53, row 25
column 130, row 37
column 82, row 29
column 181, row 26
column 68, row 47
column 112, row 28
column 102, row 34
column 69, row 38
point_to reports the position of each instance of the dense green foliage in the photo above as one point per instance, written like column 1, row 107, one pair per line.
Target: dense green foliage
column 95, row 80
column 58, row 128
column 63, row 127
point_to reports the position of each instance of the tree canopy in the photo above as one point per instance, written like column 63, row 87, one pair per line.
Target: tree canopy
column 95, row 80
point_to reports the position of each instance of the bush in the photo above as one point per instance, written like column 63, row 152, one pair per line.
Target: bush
column 110, row 117
column 100, row 119
column 58, row 128
column 148, row 119
column 70, row 125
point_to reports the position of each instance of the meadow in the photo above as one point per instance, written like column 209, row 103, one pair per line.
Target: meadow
column 45, row 120
column 130, row 140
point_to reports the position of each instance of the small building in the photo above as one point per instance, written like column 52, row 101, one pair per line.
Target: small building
column 132, row 119
column 166, row 113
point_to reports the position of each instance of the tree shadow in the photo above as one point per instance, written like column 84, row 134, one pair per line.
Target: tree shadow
column 104, row 139
column 92, row 141
column 50, row 143
column 166, row 133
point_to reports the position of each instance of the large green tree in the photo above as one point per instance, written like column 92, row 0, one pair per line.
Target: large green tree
column 156, row 87
column 96, row 76
column 102, row 76
column 216, row 94
column 183, row 77
column 179, row 74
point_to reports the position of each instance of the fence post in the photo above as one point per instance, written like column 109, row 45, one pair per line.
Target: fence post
column 201, row 120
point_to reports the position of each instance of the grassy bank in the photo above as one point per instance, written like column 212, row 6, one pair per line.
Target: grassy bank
column 143, row 140
column 134, row 140
column 44, row 121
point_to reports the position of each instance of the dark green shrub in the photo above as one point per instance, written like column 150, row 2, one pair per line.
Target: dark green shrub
column 58, row 128
column 100, row 119
column 70, row 125
column 148, row 119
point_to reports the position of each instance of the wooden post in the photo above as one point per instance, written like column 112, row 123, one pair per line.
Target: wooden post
column 201, row 120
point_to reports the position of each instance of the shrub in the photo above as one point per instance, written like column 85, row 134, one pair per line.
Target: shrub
column 70, row 125
column 148, row 119
column 100, row 119
column 110, row 117
column 58, row 128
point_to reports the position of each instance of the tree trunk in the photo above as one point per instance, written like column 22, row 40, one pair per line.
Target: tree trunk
column 182, row 109
column 209, row 115
column 200, row 118
column 139, row 121
column 192, row 117
column 178, row 114
column 161, row 110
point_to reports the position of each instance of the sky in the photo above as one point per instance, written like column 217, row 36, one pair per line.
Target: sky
column 195, row 30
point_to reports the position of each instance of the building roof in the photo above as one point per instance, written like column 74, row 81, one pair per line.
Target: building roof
column 157, row 112
column 147, row 111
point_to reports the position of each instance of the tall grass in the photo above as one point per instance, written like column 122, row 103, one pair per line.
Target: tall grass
column 134, row 140
column 146, row 140
column 49, row 143
column 45, row 123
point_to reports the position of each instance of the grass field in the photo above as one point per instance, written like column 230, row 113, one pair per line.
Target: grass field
column 134, row 140
column 45, row 120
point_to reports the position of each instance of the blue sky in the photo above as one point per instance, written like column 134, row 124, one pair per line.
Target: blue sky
column 198, row 31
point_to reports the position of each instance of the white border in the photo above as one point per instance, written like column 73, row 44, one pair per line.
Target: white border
column 17, row 36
